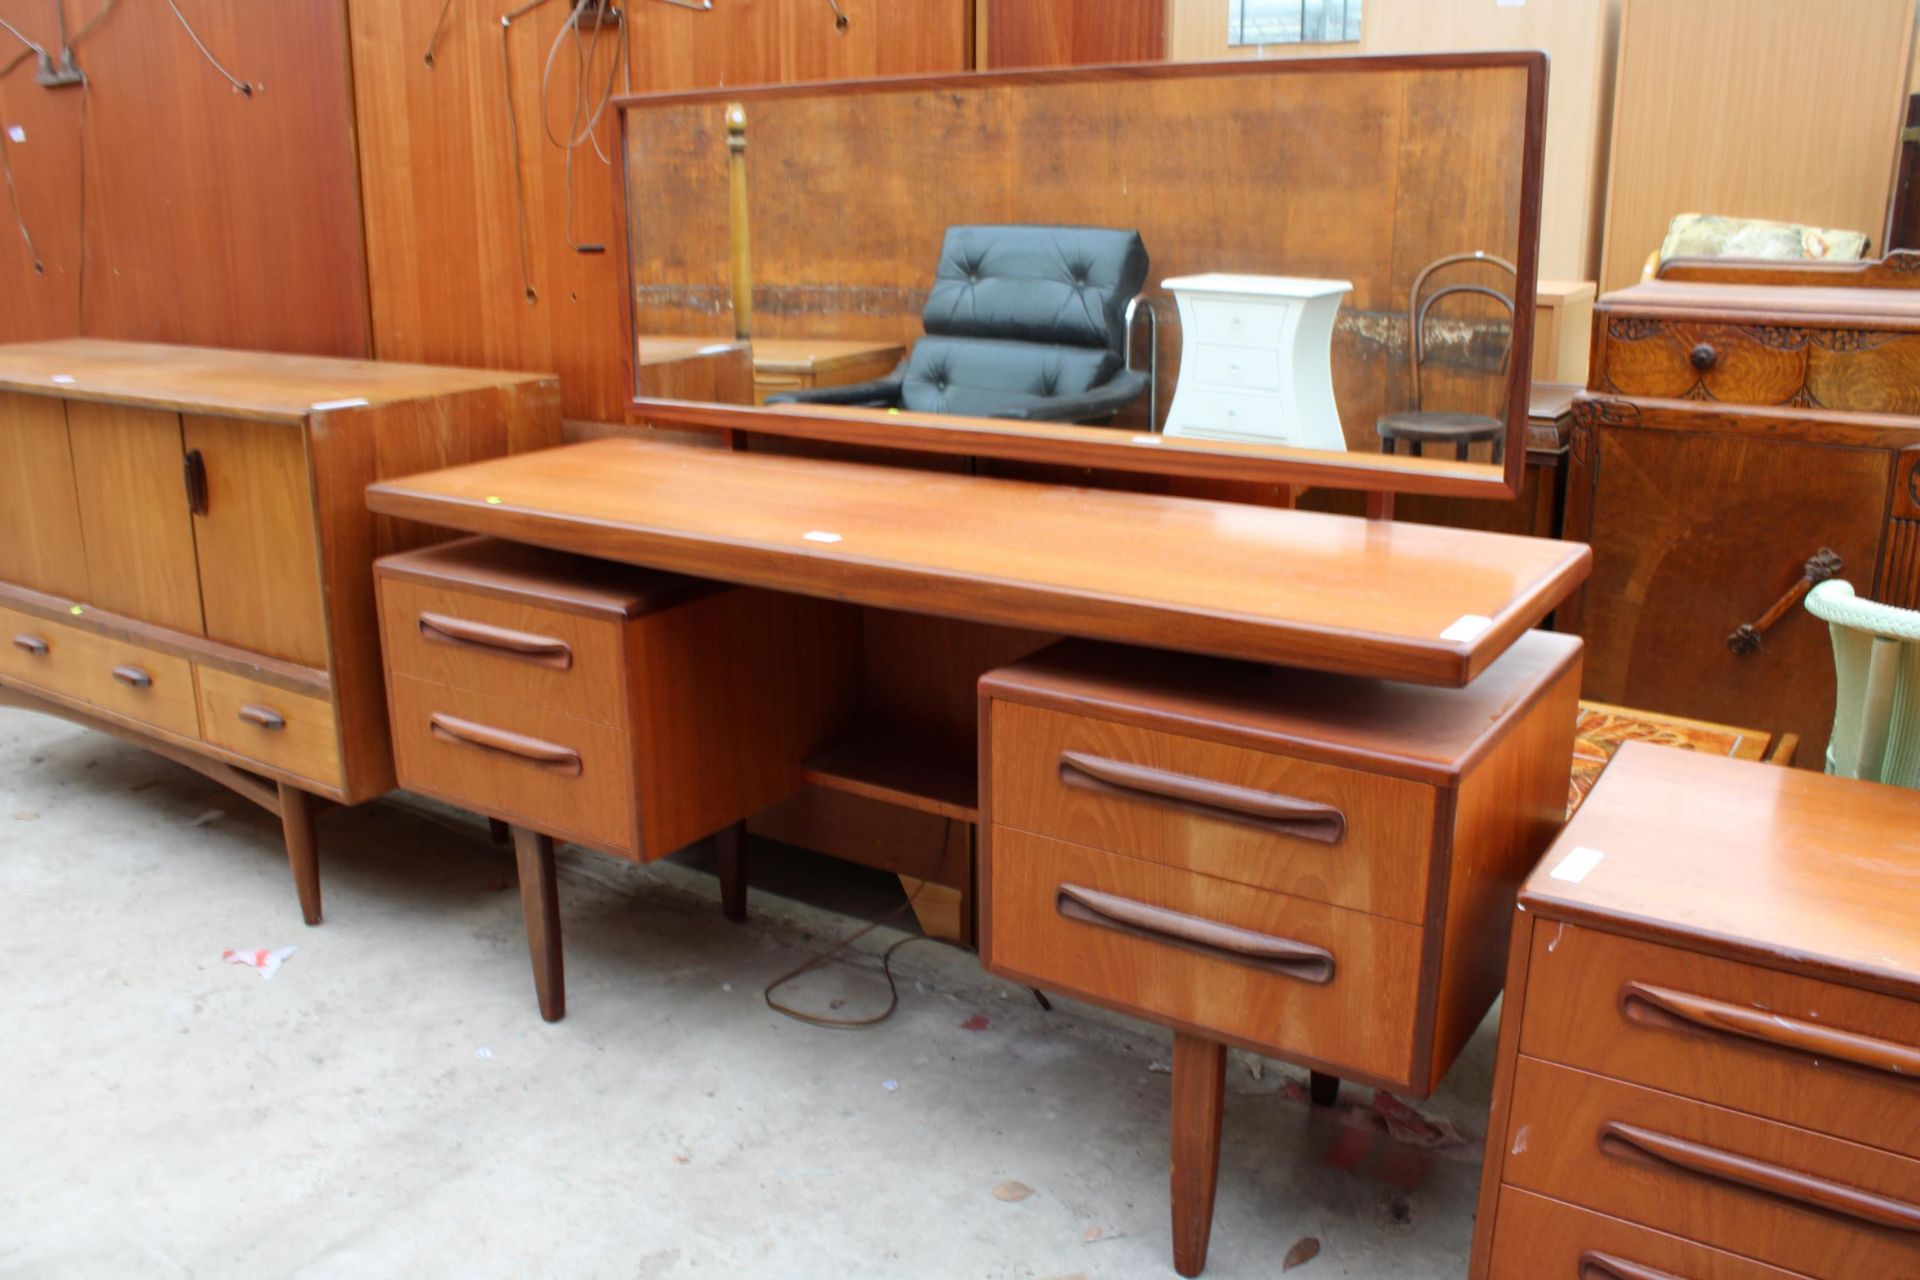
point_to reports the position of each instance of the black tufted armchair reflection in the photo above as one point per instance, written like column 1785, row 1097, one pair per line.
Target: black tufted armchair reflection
column 1022, row 322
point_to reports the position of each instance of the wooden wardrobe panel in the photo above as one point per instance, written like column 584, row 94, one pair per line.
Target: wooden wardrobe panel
column 259, row 566
column 133, row 513
column 217, row 217
column 40, row 544
column 1792, row 111
column 44, row 302
column 1063, row 33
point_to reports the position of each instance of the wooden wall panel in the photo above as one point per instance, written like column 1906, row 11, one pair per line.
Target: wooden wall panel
column 1789, row 111
column 1063, row 33
column 211, row 217
column 437, row 167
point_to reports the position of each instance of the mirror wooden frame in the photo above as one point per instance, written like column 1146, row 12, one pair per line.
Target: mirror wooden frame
column 1106, row 448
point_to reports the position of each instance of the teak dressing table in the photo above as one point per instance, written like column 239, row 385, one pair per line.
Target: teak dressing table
column 1280, row 782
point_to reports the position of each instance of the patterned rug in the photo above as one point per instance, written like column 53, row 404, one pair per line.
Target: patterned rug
column 1602, row 728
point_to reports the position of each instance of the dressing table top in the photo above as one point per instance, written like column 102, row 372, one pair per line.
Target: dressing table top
column 1335, row 593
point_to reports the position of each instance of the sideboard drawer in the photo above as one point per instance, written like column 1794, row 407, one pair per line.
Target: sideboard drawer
column 1861, row 371
column 142, row 684
column 1781, row 1195
column 1542, row 1239
column 46, row 655
column 1299, row 979
column 1835, row 1059
column 511, row 649
column 558, row 774
column 290, row 731
column 1315, row 831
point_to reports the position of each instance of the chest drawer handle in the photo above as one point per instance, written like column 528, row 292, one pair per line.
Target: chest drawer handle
column 1628, row 1142
column 545, row 754
column 1704, row 357
column 1604, row 1266
column 1658, row 1007
column 134, row 677
column 1194, row 933
column 439, row 628
column 1747, row 638
column 1283, row 814
column 267, row 718
column 32, row 644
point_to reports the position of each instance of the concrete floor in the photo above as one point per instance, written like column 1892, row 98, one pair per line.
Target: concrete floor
column 391, row 1104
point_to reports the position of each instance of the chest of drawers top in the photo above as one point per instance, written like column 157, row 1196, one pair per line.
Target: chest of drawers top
column 261, row 385
column 1780, row 868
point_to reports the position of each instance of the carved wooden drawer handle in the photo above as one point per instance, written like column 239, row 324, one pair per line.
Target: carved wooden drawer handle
column 547, row 755
column 1704, row 357
column 1595, row 1265
column 440, row 628
column 32, row 644
column 1283, row 814
column 1630, row 1142
column 1821, row 565
column 267, row 718
column 1195, row 933
column 134, row 677
column 1658, row 1007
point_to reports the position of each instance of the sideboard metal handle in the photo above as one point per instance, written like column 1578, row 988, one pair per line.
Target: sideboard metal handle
column 547, row 755
column 1821, row 565
column 441, row 628
column 32, row 644
column 1659, row 1007
column 1837, row 1198
column 1210, row 938
column 267, row 718
column 1704, row 357
column 1595, row 1265
column 1286, row 815
column 134, row 677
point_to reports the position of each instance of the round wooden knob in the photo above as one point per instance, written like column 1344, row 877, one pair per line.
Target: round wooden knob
column 1704, row 357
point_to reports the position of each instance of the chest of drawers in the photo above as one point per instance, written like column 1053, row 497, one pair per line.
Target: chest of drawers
column 1736, row 439
column 1307, row 866
column 1710, row 1047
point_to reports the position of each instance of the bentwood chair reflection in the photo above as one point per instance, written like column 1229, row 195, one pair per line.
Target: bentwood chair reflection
column 1421, row 426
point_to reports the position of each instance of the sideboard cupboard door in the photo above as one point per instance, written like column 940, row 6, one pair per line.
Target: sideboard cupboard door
column 1699, row 533
column 133, row 513
column 40, row 543
column 259, row 565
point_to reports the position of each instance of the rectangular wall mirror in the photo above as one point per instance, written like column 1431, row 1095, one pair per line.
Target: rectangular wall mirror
column 1290, row 272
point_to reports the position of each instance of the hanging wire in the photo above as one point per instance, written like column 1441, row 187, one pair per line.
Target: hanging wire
column 13, row 195
column 513, row 139
column 242, row 87
column 439, row 25
column 86, row 30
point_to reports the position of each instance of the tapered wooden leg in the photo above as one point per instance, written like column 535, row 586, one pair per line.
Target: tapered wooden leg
column 498, row 831
column 732, row 845
column 1199, row 1095
column 540, row 904
column 296, row 827
column 1324, row 1091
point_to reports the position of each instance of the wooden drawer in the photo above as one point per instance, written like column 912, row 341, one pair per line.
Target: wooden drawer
column 1781, row 1195
column 511, row 649
column 1824, row 1057
column 1540, row 1239
column 1363, row 841
column 46, row 655
column 1856, row 370
column 290, row 731
column 557, row 774
column 1295, row 978
column 141, row 684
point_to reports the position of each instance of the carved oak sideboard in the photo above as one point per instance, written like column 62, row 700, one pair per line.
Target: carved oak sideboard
column 1748, row 430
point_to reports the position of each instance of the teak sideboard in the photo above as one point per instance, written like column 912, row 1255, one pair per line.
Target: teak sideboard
column 186, row 554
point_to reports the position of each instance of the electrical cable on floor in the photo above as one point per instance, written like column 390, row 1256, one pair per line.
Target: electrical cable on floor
column 240, row 86
column 886, row 959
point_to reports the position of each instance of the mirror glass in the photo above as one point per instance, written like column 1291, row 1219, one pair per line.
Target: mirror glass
column 1310, row 260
